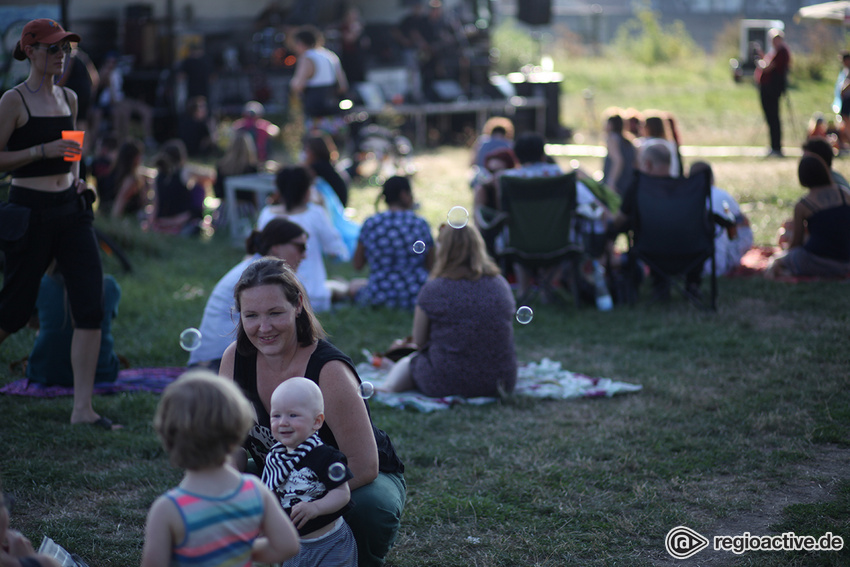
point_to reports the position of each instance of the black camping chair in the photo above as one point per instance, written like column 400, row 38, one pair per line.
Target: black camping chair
column 672, row 231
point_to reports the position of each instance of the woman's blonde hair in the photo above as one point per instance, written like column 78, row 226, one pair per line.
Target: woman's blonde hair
column 462, row 255
column 201, row 418
column 241, row 154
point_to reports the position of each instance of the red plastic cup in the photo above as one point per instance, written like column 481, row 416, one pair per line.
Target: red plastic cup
column 78, row 136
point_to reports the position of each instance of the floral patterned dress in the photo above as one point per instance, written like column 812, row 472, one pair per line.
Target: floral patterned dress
column 396, row 262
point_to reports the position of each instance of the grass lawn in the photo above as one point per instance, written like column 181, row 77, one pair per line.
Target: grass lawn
column 742, row 425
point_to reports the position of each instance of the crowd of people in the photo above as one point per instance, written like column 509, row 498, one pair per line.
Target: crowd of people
column 282, row 459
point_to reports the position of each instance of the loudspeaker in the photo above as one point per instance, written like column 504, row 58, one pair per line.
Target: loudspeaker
column 534, row 12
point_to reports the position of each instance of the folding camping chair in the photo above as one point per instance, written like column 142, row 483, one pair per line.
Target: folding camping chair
column 539, row 227
column 673, row 233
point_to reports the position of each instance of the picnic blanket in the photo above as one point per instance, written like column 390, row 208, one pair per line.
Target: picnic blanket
column 545, row 380
column 153, row 379
column 757, row 259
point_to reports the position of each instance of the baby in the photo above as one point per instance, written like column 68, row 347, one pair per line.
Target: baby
column 309, row 477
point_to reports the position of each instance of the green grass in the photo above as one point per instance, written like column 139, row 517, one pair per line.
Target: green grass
column 740, row 411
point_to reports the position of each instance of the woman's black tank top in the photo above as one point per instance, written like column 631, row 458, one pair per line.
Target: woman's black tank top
column 40, row 130
column 245, row 375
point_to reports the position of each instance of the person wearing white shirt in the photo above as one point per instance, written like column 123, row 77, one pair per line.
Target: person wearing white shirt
column 280, row 238
column 318, row 77
column 294, row 185
column 730, row 243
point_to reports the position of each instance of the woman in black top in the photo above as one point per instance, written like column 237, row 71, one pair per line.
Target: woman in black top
column 50, row 190
column 278, row 337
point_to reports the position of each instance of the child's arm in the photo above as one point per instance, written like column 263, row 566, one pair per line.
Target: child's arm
column 280, row 541
column 331, row 502
column 162, row 527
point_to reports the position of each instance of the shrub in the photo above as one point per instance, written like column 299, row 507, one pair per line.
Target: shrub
column 511, row 47
column 818, row 56
column 645, row 40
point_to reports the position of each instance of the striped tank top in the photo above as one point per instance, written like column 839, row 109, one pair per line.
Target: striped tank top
column 219, row 530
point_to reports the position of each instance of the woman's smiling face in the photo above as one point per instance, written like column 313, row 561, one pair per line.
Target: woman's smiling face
column 268, row 318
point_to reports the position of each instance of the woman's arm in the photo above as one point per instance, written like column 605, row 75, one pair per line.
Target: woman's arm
column 421, row 326
column 801, row 213
column 616, row 158
column 345, row 414
column 358, row 262
column 239, row 457
column 225, row 369
column 341, row 79
column 175, row 222
column 430, row 258
column 73, row 104
column 280, row 540
column 11, row 107
column 125, row 190
column 329, row 237
column 304, row 69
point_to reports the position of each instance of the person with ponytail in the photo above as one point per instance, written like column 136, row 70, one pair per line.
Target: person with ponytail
column 398, row 247
column 280, row 238
column 50, row 205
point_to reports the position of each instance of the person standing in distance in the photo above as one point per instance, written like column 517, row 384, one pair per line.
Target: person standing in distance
column 772, row 78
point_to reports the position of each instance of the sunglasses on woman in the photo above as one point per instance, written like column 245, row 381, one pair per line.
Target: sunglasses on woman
column 300, row 246
column 55, row 48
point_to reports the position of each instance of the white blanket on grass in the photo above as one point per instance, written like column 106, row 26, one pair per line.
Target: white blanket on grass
column 545, row 380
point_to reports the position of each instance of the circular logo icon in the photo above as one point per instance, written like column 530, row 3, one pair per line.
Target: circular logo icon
column 683, row 542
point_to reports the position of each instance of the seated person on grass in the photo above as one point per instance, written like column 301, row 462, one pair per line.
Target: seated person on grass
column 179, row 199
column 529, row 149
column 820, row 242
column 653, row 161
column 730, row 242
column 824, row 149
column 462, row 324
column 49, row 362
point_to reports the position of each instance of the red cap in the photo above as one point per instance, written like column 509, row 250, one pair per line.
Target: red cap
column 44, row 31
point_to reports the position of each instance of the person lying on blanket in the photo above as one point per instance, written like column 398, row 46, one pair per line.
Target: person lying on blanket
column 462, row 324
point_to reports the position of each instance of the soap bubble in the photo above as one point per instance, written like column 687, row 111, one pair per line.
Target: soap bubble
column 419, row 247
column 190, row 339
column 458, row 217
column 336, row 472
column 524, row 315
column 366, row 390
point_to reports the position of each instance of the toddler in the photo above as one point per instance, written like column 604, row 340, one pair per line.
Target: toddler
column 309, row 477
column 216, row 516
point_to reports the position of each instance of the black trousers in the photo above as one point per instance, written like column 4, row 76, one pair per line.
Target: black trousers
column 60, row 227
column 770, row 105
